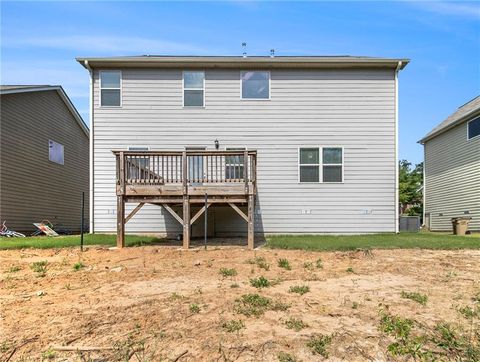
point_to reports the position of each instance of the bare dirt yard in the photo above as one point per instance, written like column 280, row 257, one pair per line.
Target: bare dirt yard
column 164, row 304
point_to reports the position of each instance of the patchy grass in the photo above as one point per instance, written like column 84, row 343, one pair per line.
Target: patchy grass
column 233, row 326
column 78, row 265
column 40, row 267
column 299, row 289
column 194, row 308
column 226, row 272
column 256, row 305
column 64, row 241
column 284, row 263
column 14, row 269
column 422, row 240
column 295, row 324
column 259, row 261
column 415, row 296
column 319, row 343
column 260, row 282
column 286, row 357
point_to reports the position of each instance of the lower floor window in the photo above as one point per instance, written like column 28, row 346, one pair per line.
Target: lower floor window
column 321, row 164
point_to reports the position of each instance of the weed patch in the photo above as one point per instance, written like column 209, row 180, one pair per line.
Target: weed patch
column 299, row 289
column 194, row 308
column 415, row 296
column 233, row 326
column 40, row 267
column 286, row 357
column 226, row 272
column 319, row 343
column 284, row 263
column 256, row 305
column 260, row 282
column 14, row 269
column 79, row 265
column 259, row 261
column 295, row 324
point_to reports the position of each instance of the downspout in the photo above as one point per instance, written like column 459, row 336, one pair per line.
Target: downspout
column 91, row 176
column 396, row 151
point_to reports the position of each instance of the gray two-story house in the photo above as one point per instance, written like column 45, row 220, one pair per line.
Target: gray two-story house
column 452, row 169
column 284, row 145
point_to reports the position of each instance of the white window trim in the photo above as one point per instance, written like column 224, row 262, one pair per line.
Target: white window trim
column 320, row 165
column 101, row 88
column 184, row 89
column 269, row 85
column 63, row 151
column 468, row 128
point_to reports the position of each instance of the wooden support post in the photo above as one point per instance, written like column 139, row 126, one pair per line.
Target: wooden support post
column 251, row 222
column 186, row 222
column 120, row 222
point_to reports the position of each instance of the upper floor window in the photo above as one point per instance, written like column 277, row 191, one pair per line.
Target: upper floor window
column 55, row 152
column 193, row 89
column 110, row 88
column 255, row 84
column 474, row 128
column 321, row 163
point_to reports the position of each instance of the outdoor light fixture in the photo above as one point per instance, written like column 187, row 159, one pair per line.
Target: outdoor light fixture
column 217, row 144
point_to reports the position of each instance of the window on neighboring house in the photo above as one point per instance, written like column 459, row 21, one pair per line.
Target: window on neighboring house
column 309, row 165
column 55, row 152
column 234, row 165
column 474, row 128
column 193, row 89
column 332, row 164
column 255, row 84
column 328, row 160
column 110, row 88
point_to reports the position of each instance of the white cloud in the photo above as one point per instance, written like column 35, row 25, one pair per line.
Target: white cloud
column 464, row 9
column 103, row 44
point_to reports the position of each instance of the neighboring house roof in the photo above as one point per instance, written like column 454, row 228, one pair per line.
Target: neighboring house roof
column 244, row 62
column 462, row 114
column 10, row 89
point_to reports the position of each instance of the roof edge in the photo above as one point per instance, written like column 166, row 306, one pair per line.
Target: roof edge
column 238, row 61
column 63, row 95
column 464, row 118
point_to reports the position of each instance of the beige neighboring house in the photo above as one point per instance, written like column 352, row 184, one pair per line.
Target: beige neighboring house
column 452, row 169
column 43, row 158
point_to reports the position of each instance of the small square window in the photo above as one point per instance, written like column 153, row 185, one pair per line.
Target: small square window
column 55, row 152
column 255, row 85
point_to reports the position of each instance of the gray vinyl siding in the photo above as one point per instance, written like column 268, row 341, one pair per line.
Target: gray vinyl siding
column 32, row 187
column 350, row 108
column 452, row 178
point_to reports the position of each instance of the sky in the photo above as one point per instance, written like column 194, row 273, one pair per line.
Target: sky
column 40, row 40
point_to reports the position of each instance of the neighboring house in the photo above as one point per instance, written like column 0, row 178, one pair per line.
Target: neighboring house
column 44, row 158
column 324, row 130
column 452, row 169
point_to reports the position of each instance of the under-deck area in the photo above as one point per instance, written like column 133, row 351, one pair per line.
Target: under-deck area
column 172, row 178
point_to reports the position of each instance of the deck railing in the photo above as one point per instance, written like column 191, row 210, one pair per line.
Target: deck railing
column 187, row 167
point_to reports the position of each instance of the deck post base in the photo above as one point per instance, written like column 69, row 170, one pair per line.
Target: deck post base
column 120, row 222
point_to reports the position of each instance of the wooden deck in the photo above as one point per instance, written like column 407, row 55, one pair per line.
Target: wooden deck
column 167, row 178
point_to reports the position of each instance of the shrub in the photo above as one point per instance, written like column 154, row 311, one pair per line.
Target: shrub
column 79, row 265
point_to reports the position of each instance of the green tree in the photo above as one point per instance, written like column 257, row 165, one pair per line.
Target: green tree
column 410, row 187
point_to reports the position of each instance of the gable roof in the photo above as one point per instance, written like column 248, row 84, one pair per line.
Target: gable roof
column 306, row 62
column 10, row 89
column 462, row 114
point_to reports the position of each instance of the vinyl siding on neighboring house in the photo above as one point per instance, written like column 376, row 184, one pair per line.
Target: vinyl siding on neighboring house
column 32, row 187
column 351, row 108
column 452, row 178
